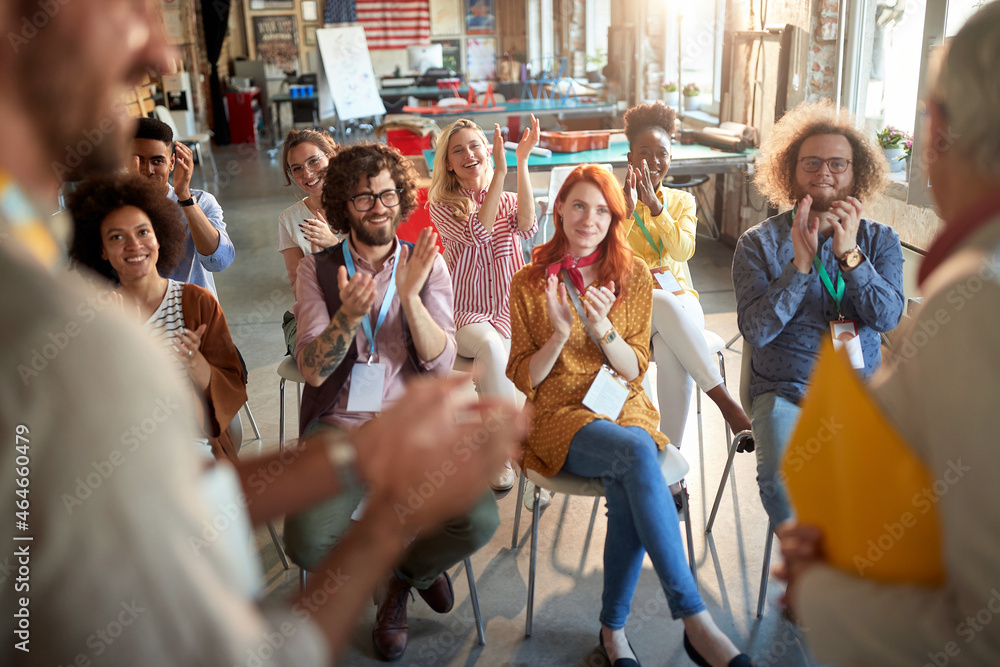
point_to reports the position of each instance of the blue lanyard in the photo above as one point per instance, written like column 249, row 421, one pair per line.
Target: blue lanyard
column 366, row 323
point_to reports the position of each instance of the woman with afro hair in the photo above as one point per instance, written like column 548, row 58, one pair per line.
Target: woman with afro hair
column 661, row 230
column 129, row 233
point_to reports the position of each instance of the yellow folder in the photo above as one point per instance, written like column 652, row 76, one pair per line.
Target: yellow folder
column 850, row 473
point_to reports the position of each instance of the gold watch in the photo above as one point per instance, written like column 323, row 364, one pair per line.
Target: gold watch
column 609, row 336
column 851, row 259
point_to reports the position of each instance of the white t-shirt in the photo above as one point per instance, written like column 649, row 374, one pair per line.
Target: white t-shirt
column 289, row 234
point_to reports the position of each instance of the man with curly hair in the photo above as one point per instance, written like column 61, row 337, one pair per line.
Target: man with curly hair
column 939, row 390
column 373, row 312
column 820, row 262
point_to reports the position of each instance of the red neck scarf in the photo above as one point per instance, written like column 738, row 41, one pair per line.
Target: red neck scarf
column 573, row 267
column 956, row 231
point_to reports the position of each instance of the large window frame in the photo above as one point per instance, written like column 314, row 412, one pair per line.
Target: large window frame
column 858, row 45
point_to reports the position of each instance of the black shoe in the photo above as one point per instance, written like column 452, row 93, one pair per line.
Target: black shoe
column 742, row 660
column 621, row 662
column 679, row 498
column 745, row 441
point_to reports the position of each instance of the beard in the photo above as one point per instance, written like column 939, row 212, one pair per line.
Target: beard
column 823, row 203
column 83, row 129
column 376, row 236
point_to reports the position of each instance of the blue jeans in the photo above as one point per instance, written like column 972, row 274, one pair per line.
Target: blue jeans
column 773, row 419
column 641, row 518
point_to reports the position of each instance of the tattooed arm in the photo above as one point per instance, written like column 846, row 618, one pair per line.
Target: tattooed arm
column 319, row 358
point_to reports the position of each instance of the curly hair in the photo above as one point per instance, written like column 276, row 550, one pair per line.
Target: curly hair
column 616, row 259
column 656, row 116
column 445, row 187
column 317, row 138
column 98, row 197
column 779, row 154
column 369, row 159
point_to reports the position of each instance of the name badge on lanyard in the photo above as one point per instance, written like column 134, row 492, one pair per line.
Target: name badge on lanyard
column 367, row 385
column 609, row 390
column 607, row 394
column 843, row 331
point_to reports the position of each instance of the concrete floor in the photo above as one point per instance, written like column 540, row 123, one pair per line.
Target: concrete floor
column 254, row 293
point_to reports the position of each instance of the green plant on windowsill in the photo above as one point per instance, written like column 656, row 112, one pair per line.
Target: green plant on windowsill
column 692, row 90
column 669, row 86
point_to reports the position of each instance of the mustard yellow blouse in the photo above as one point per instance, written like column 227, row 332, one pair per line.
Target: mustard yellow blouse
column 675, row 227
column 558, row 399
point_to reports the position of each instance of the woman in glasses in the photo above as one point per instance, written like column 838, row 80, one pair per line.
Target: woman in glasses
column 661, row 230
column 482, row 227
column 302, row 228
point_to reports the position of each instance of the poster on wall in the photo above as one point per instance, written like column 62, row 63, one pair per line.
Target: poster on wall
column 480, row 17
column 480, row 58
column 446, row 17
column 276, row 43
column 260, row 5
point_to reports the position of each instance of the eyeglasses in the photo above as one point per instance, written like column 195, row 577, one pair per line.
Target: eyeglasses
column 312, row 163
column 836, row 165
column 366, row 201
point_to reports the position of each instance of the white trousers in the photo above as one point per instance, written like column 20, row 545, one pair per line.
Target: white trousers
column 482, row 342
column 681, row 355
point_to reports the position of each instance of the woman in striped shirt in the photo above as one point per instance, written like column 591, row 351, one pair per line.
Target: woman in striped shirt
column 129, row 233
column 482, row 227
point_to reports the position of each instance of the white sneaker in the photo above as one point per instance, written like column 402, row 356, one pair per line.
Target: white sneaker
column 504, row 480
column 529, row 496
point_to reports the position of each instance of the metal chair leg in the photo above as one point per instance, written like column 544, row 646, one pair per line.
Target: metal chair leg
column 686, row 511
column 281, row 415
column 534, row 553
column 302, row 580
column 253, row 422
column 517, row 512
column 765, row 570
column 475, row 602
column 277, row 544
column 722, row 485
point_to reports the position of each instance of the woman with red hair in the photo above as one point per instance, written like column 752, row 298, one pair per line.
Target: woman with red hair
column 580, row 321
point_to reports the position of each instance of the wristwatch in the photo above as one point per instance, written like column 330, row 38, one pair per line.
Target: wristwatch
column 187, row 202
column 850, row 260
column 609, row 336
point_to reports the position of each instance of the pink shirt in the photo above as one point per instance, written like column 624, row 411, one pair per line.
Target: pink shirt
column 313, row 317
column 481, row 262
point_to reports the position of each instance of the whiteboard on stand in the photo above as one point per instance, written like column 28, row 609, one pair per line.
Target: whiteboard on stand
column 347, row 84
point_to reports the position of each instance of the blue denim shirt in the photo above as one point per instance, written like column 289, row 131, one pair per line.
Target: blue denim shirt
column 783, row 314
column 195, row 267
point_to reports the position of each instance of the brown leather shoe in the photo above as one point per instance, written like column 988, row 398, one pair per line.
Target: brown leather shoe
column 391, row 631
column 440, row 596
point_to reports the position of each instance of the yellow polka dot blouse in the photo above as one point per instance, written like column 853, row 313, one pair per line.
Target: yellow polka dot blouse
column 558, row 399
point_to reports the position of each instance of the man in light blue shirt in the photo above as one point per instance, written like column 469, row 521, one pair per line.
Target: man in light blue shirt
column 818, row 263
column 208, row 248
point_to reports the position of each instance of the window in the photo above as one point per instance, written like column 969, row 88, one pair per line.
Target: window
column 701, row 36
column 881, row 84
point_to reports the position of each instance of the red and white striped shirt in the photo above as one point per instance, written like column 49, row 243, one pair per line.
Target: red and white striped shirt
column 482, row 263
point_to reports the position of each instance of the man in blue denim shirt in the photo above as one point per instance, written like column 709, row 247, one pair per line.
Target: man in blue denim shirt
column 817, row 263
column 208, row 248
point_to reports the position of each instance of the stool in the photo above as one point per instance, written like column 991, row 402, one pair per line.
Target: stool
column 287, row 370
column 694, row 183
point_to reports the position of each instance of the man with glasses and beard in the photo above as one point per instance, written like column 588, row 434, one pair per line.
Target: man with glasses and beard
column 820, row 268
column 373, row 312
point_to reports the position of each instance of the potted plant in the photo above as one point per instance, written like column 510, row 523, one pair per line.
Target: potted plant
column 595, row 63
column 907, row 150
column 670, row 94
column 893, row 140
column 691, row 93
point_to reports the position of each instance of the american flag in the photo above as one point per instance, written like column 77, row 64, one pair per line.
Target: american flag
column 388, row 24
